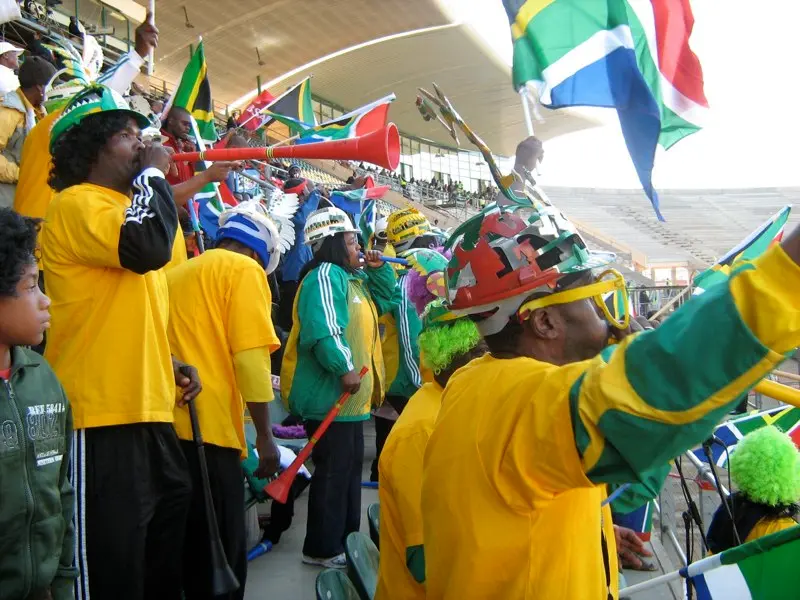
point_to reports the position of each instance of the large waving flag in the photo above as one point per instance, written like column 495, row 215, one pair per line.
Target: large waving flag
column 194, row 94
column 359, row 122
column 785, row 418
column 770, row 233
column 632, row 55
column 296, row 104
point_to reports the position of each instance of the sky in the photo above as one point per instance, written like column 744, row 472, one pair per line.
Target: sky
column 749, row 53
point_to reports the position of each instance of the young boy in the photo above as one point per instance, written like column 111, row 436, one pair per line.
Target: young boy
column 36, row 532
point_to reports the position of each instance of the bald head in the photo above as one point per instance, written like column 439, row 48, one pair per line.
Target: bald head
column 179, row 123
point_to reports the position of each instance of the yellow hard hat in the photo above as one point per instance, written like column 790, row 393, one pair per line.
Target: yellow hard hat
column 405, row 226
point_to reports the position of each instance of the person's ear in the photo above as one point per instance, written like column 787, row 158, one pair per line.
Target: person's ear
column 545, row 323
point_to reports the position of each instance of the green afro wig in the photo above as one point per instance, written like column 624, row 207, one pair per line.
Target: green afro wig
column 441, row 344
column 766, row 467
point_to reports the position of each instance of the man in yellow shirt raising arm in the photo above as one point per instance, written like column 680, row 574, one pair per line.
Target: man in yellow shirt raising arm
column 110, row 230
column 528, row 435
column 220, row 321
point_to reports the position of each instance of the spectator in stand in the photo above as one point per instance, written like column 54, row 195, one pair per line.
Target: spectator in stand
column 295, row 172
column 19, row 111
column 9, row 65
column 157, row 106
column 177, row 128
column 33, row 194
column 335, row 335
column 36, row 48
column 110, row 231
column 293, row 261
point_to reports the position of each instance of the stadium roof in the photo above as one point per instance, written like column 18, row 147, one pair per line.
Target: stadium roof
column 702, row 225
column 357, row 52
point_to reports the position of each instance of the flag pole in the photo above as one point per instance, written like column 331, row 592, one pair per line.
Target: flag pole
column 201, row 144
column 150, row 63
column 526, row 109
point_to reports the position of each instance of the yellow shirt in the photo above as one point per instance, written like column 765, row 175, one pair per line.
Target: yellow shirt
column 33, row 194
column 219, row 306
column 400, row 493
column 768, row 526
column 108, row 340
column 500, row 519
column 179, row 254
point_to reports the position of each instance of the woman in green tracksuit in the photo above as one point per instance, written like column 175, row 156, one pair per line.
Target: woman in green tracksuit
column 335, row 334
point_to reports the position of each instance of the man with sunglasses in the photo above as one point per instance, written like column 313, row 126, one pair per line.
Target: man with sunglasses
column 566, row 402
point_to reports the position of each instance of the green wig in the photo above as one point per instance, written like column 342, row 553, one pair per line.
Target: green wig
column 442, row 342
column 765, row 466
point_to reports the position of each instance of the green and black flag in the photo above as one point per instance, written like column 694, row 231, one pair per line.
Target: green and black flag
column 194, row 94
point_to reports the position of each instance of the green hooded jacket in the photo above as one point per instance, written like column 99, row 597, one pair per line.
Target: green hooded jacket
column 336, row 331
column 36, row 530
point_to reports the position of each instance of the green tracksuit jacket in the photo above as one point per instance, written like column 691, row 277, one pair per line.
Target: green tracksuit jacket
column 335, row 331
column 36, row 531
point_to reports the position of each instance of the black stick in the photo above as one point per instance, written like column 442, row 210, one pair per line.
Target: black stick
column 223, row 580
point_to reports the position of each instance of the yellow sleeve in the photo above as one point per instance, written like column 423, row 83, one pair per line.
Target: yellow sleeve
column 253, row 374
column 86, row 226
column 403, row 469
column 9, row 121
column 250, row 311
column 657, row 394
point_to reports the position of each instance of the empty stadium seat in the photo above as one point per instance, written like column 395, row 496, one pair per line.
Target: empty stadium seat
column 362, row 564
column 333, row 584
column 374, row 521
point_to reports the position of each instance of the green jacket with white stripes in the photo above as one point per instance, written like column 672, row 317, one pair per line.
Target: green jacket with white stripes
column 336, row 331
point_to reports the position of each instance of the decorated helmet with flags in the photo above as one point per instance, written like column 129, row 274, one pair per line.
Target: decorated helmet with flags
column 250, row 224
column 327, row 222
column 93, row 100
column 404, row 226
column 501, row 257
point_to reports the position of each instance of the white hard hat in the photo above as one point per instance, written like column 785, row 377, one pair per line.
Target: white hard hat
column 327, row 222
column 249, row 223
column 6, row 47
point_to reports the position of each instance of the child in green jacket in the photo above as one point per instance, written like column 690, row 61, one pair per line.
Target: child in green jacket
column 335, row 334
column 36, row 531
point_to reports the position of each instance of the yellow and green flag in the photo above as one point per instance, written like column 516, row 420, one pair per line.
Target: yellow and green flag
column 194, row 94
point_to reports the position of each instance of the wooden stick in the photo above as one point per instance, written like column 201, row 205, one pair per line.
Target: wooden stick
column 786, row 375
column 669, row 304
column 286, row 141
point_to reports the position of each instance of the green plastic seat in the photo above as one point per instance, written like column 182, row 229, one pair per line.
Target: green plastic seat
column 333, row 584
column 362, row 564
column 374, row 521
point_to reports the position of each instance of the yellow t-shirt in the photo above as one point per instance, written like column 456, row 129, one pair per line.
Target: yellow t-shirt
column 219, row 306
column 768, row 526
column 506, row 507
column 179, row 254
column 33, row 194
column 400, row 493
column 108, row 340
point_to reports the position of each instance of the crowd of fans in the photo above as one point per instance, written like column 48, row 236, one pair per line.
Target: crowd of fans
column 148, row 340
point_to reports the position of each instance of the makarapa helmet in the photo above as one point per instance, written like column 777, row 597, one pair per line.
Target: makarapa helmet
column 326, row 222
column 92, row 100
column 249, row 223
column 404, row 226
column 501, row 257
